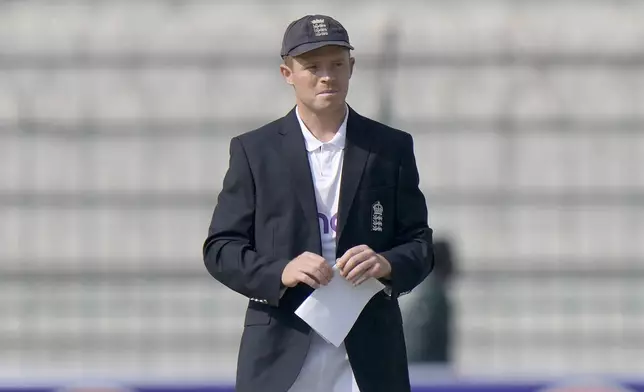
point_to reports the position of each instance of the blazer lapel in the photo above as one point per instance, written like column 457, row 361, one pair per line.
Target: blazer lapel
column 297, row 163
column 357, row 148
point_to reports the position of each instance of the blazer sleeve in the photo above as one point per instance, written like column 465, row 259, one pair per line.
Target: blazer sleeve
column 229, row 253
column 412, row 258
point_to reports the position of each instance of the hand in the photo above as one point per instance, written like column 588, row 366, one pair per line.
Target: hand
column 308, row 268
column 361, row 263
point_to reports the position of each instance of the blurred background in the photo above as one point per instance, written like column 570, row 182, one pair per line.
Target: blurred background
column 115, row 121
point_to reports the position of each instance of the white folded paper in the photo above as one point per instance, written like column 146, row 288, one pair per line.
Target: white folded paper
column 332, row 310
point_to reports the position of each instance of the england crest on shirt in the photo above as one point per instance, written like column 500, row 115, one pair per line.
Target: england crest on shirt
column 376, row 216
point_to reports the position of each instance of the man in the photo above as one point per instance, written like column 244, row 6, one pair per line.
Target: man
column 320, row 186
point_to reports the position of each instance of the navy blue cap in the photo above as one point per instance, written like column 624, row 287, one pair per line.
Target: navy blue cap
column 312, row 32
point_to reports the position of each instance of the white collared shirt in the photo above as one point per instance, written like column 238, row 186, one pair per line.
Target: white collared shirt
column 325, row 160
column 326, row 367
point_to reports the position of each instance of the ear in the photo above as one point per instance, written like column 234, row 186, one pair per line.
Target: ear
column 287, row 73
column 352, row 62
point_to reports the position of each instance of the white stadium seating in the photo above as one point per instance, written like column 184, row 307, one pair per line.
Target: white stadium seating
column 115, row 119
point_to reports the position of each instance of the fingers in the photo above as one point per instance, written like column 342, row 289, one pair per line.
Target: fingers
column 314, row 270
column 355, row 260
column 356, row 265
column 360, row 269
column 371, row 273
column 320, row 268
column 320, row 277
column 325, row 269
column 308, row 280
column 361, row 263
column 348, row 254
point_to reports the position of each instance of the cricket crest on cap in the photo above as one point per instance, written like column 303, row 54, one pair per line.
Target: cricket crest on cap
column 319, row 27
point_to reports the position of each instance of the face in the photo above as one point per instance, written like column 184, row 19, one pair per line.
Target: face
column 320, row 77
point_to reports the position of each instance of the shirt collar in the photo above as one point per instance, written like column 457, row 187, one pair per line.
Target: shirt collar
column 312, row 143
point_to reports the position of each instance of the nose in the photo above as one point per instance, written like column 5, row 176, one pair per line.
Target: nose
column 326, row 74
